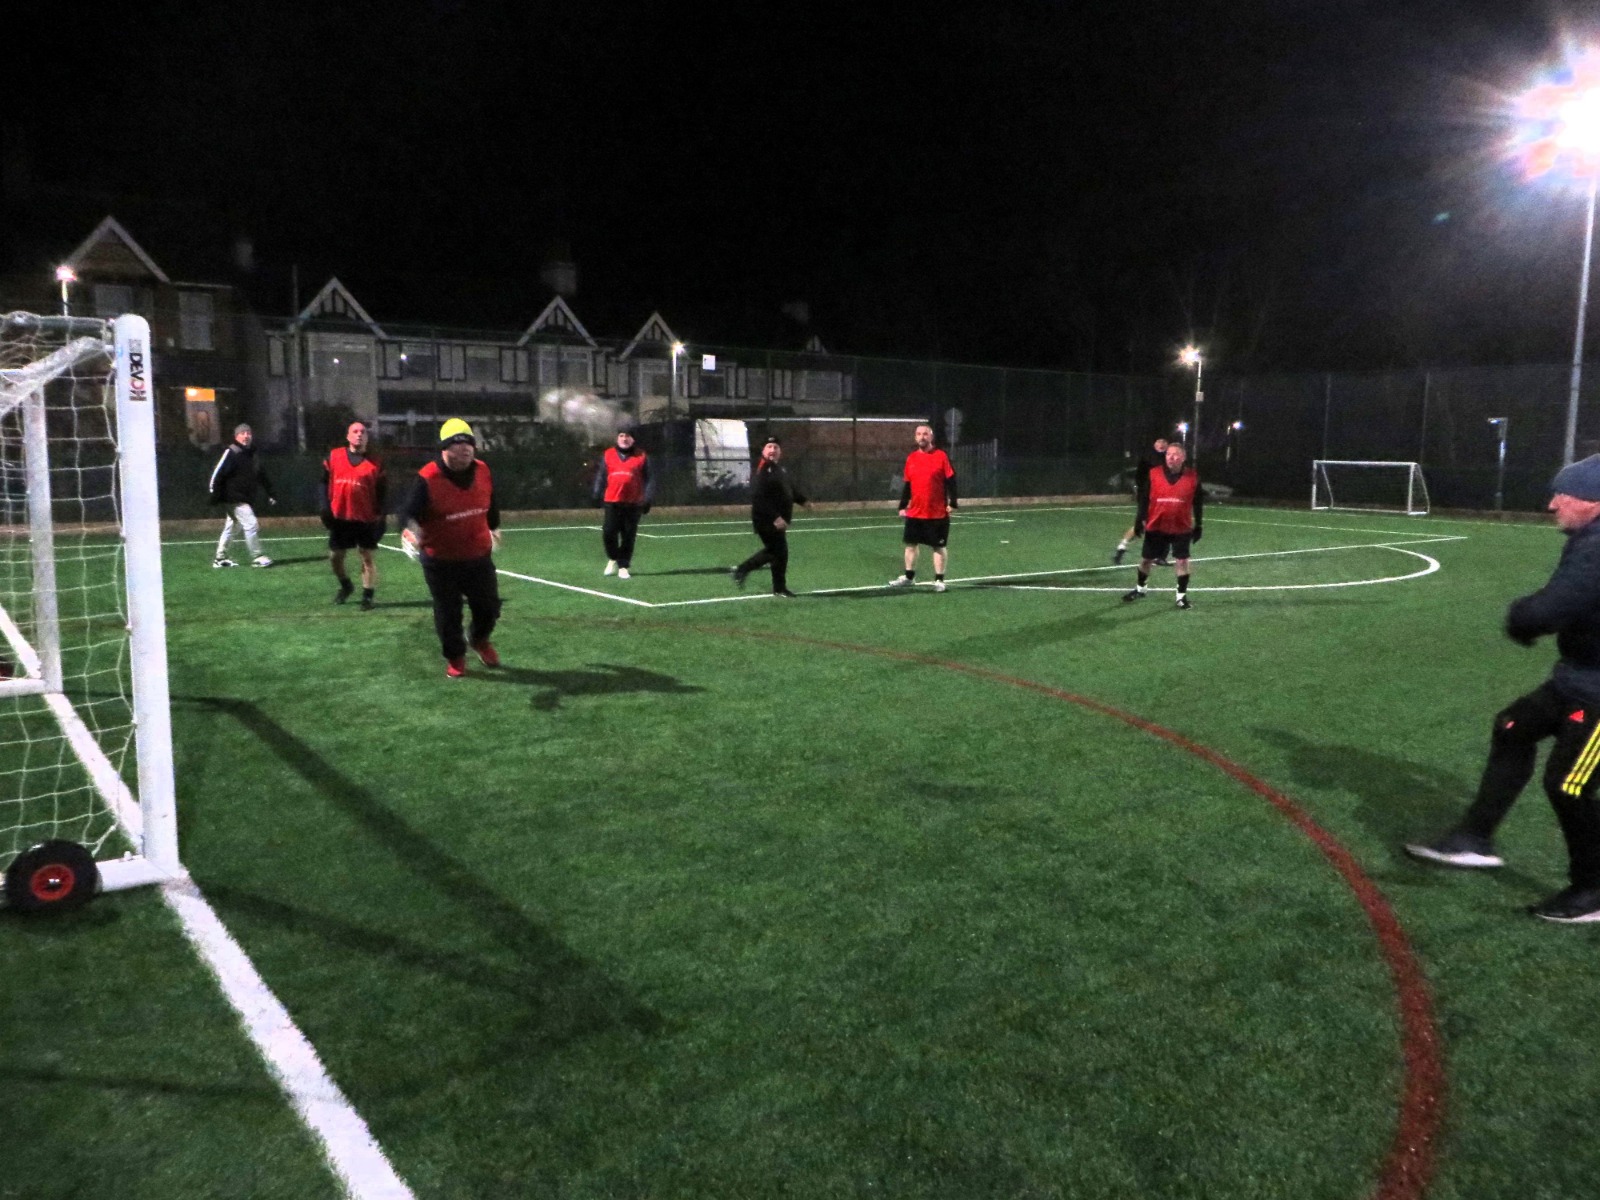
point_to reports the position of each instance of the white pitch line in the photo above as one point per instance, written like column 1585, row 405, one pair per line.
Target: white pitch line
column 572, row 587
column 807, row 528
column 1433, row 565
column 351, row 1150
column 1117, row 567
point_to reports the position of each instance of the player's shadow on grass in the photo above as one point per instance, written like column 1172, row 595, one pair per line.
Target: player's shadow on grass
column 504, row 1008
column 295, row 562
column 600, row 679
column 1089, row 622
column 723, row 571
column 1399, row 801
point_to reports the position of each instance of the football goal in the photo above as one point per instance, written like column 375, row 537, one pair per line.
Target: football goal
column 1390, row 487
column 86, row 787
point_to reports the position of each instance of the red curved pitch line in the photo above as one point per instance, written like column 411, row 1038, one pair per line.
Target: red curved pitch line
column 1409, row 1165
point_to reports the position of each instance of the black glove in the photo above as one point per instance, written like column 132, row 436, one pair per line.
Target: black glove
column 380, row 527
column 1196, row 537
column 644, row 510
column 1520, row 634
column 326, row 517
column 1138, row 527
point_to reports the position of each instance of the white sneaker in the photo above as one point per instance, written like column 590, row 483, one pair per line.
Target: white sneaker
column 622, row 573
column 219, row 562
column 900, row 582
column 611, row 567
column 938, row 585
column 261, row 560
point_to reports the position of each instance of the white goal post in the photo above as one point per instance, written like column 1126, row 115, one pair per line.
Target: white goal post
column 85, row 725
column 1369, row 486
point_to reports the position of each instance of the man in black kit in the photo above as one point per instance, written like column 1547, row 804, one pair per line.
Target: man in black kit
column 1564, row 710
column 772, row 500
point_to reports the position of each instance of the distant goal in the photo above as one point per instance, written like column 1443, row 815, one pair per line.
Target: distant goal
column 1369, row 486
column 86, row 771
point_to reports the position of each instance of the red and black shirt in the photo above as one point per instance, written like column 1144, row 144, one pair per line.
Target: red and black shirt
column 356, row 486
column 930, row 487
column 456, row 511
column 1171, row 504
column 624, row 478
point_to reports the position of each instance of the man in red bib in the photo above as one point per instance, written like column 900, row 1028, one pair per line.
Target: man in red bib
column 627, row 488
column 1171, row 504
column 355, row 494
column 926, row 499
column 452, row 522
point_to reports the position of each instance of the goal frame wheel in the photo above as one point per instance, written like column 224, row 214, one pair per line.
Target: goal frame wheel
column 54, row 876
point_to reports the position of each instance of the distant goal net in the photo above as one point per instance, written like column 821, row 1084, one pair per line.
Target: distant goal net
column 1358, row 484
column 85, row 730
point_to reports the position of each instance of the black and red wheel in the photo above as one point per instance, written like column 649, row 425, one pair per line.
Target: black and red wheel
column 52, row 877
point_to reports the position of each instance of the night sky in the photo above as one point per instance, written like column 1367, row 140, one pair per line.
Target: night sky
column 1296, row 184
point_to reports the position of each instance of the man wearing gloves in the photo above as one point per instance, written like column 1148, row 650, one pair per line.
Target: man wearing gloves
column 452, row 522
column 1566, row 708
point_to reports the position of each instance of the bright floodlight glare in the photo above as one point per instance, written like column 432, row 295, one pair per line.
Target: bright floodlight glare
column 1558, row 119
column 1237, row 425
column 1183, row 427
column 66, row 274
column 1188, row 356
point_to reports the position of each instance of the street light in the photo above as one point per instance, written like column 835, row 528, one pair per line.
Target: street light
column 1502, row 424
column 1189, row 356
column 66, row 277
column 1558, row 126
column 677, row 349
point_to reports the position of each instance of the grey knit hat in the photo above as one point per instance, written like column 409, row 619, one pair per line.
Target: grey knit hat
column 1580, row 480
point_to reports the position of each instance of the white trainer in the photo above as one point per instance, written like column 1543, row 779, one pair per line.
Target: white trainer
column 611, row 567
column 938, row 585
column 622, row 573
column 261, row 560
column 900, row 582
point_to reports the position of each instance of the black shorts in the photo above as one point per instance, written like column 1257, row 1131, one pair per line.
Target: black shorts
column 927, row 531
column 1156, row 545
column 348, row 535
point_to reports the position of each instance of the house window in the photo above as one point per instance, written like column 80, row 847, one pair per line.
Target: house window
column 418, row 360
column 391, row 360
column 195, row 313
column 452, row 362
column 575, row 368
column 483, row 364
column 112, row 299
column 513, row 366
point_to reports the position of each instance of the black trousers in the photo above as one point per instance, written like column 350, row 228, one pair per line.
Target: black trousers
column 774, row 552
column 449, row 583
column 1571, row 777
column 619, row 531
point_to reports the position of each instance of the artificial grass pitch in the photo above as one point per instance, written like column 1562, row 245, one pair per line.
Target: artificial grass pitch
column 744, row 897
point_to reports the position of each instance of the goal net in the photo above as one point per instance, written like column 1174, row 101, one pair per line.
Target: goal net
column 1392, row 487
column 85, row 732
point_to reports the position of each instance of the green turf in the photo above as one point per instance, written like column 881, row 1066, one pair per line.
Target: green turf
column 754, row 898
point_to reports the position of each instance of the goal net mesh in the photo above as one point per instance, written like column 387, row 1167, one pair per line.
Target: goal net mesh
column 66, row 714
column 1393, row 487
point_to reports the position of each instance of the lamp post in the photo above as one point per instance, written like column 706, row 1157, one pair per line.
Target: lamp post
column 672, row 395
column 1558, row 126
column 1189, row 356
column 66, row 277
column 1501, row 424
